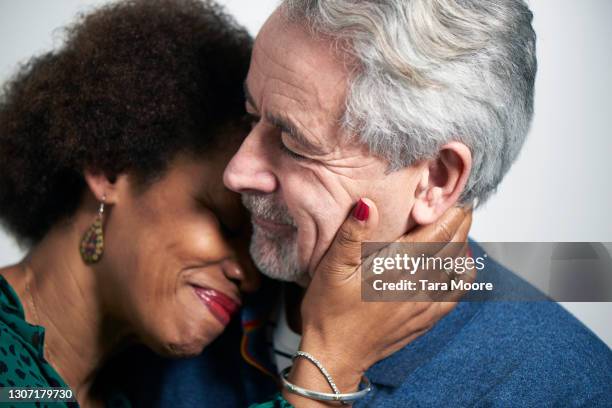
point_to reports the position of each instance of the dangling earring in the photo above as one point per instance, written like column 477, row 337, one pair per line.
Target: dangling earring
column 92, row 243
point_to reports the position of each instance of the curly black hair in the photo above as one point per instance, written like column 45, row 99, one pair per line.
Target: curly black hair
column 135, row 83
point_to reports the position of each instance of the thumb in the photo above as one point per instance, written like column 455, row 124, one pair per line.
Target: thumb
column 343, row 257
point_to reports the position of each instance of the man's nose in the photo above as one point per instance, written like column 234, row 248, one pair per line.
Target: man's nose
column 250, row 168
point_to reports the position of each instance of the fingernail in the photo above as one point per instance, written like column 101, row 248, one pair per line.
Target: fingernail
column 361, row 211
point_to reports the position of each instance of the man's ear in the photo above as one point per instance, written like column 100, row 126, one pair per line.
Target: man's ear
column 102, row 187
column 442, row 181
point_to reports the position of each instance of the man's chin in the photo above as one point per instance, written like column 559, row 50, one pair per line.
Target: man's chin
column 277, row 259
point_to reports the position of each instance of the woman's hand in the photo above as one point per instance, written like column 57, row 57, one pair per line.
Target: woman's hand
column 348, row 335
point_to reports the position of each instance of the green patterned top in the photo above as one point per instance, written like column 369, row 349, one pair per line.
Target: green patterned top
column 277, row 402
column 22, row 361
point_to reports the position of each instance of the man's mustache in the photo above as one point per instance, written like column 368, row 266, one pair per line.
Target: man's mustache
column 268, row 207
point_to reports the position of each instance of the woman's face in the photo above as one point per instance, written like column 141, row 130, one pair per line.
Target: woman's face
column 172, row 253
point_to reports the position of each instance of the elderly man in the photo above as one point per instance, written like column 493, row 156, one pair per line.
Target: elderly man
column 419, row 105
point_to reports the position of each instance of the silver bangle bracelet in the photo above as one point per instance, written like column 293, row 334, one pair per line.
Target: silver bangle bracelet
column 322, row 369
column 326, row 396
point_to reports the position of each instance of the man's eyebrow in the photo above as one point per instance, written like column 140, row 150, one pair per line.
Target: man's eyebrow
column 286, row 125
column 248, row 96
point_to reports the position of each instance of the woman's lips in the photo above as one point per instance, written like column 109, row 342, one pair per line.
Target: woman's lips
column 220, row 305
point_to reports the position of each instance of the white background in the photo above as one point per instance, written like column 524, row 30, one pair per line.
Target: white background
column 558, row 190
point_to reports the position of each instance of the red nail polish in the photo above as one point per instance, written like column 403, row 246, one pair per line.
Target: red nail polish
column 361, row 211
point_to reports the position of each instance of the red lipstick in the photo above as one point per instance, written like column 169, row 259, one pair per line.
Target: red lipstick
column 220, row 305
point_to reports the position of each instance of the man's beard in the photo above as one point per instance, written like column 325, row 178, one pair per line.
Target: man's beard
column 275, row 255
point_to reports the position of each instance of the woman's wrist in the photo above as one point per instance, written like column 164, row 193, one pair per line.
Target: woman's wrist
column 346, row 365
column 306, row 375
column 343, row 369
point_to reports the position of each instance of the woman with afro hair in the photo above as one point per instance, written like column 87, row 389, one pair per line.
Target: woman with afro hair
column 111, row 154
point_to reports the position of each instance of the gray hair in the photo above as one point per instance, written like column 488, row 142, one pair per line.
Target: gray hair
column 432, row 71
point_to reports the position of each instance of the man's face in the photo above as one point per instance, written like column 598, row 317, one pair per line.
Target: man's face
column 298, row 171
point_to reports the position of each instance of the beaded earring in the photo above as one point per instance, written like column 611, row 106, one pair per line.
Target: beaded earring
column 92, row 243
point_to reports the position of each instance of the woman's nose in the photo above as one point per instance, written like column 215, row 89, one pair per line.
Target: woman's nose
column 244, row 275
column 250, row 169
